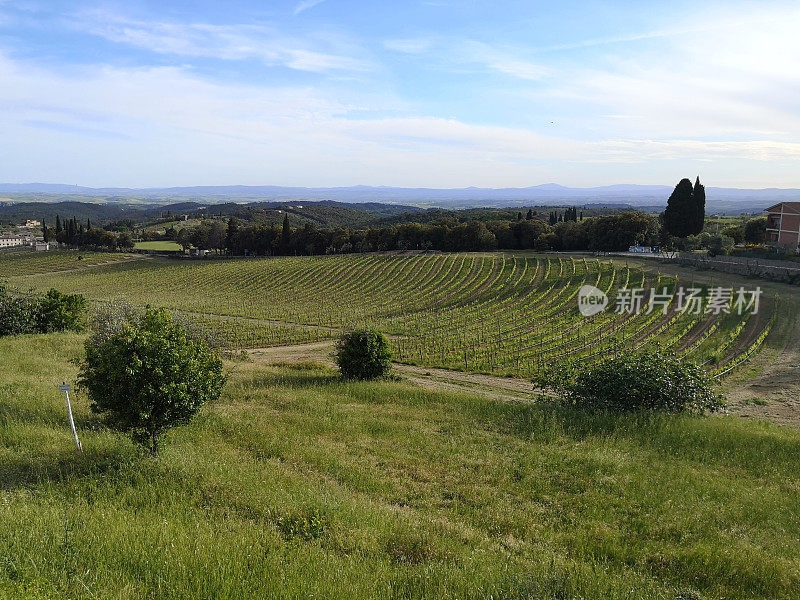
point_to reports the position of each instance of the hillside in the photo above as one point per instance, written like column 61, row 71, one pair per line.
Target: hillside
column 322, row 214
column 296, row 484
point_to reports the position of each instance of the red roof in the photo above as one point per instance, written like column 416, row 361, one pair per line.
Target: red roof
column 788, row 207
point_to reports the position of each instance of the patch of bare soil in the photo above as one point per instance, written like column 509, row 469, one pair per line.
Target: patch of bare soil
column 768, row 386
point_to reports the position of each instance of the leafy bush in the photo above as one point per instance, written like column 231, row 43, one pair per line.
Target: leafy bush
column 150, row 376
column 109, row 318
column 61, row 312
column 363, row 354
column 54, row 311
column 649, row 380
column 17, row 313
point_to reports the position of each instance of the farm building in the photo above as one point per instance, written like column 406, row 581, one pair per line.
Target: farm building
column 783, row 224
column 9, row 240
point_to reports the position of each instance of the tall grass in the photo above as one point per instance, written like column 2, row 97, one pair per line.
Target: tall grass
column 297, row 484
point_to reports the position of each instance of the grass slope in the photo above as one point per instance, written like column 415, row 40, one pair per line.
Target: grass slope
column 296, row 484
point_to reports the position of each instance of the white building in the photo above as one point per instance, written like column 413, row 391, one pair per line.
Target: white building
column 42, row 246
column 9, row 240
column 31, row 224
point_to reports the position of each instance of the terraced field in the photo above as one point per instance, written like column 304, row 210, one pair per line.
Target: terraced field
column 504, row 314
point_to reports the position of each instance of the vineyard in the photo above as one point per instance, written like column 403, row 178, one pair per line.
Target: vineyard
column 503, row 314
column 24, row 263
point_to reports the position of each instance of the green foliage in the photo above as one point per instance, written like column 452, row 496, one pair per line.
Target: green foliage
column 61, row 312
column 755, row 230
column 150, row 377
column 17, row 313
column 55, row 311
column 363, row 354
column 735, row 232
column 719, row 244
column 409, row 548
column 648, row 380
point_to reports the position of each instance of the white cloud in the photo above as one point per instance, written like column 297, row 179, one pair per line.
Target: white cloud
column 513, row 62
column 409, row 45
column 228, row 42
column 305, row 5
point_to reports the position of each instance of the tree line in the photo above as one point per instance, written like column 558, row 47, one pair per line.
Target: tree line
column 76, row 235
column 606, row 233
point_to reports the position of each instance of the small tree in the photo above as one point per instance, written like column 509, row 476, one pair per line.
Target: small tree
column 150, row 377
column 363, row 354
column 755, row 230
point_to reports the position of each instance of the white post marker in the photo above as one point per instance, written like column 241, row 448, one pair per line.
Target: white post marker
column 64, row 387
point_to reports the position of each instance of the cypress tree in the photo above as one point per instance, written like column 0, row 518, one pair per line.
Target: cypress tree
column 680, row 216
column 286, row 234
column 45, row 232
column 58, row 224
column 699, row 198
column 232, row 233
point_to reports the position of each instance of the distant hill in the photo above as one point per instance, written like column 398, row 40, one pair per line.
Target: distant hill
column 719, row 199
column 322, row 214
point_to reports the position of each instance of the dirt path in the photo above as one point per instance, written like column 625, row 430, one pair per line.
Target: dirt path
column 499, row 388
column 768, row 386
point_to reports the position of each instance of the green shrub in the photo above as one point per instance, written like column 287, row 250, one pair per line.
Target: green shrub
column 150, row 376
column 17, row 314
column 55, row 311
column 61, row 312
column 363, row 354
column 648, row 380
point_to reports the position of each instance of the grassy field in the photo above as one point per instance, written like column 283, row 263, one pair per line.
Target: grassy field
column 497, row 313
column 162, row 245
column 296, row 484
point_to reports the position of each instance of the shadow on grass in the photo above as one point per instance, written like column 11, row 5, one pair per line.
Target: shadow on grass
column 294, row 379
column 46, row 415
column 20, row 471
column 755, row 448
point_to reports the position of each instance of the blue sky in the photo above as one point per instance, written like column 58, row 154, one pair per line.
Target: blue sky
column 431, row 93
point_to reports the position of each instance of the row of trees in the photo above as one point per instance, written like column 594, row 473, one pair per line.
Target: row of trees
column 76, row 235
column 607, row 233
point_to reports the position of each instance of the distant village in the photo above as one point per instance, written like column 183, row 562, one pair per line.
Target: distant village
column 25, row 236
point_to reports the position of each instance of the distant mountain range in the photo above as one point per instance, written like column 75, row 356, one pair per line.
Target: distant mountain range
column 730, row 200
